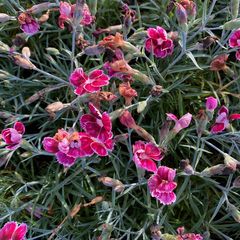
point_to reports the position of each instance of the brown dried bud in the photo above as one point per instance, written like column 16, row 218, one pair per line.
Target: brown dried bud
column 127, row 92
column 19, row 40
column 219, row 63
column 23, row 62
column 201, row 122
column 156, row 90
column 81, row 42
column 155, row 232
column 114, row 183
column 55, row 107
column 4, row 17
column 186, row 167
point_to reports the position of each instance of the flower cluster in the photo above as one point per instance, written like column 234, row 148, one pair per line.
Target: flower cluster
column 70, row 145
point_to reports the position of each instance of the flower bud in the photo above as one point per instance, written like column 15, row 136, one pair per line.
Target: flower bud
column 38, row 8
column 94, row 50
column 26, row 52
column 23, row 62
column 201, row 122
column 53, row 51
column 211, row 104
column 231, row 162
column 144, row 134
column 215, row 170
column 233, row 24
column 235, row 213
column 4, row 47
column 55, row 107
column 127, row 120
column 186, row 167
column 155, row 232
column 141, row 106
column 121, row 137
column 181, row 14
column 156, row 90
column 234, row 8
column 44, row 18
column 236, row 182
column 114, row 183
column 4, row 18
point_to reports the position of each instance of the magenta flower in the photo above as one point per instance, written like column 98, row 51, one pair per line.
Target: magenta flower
column 13, row 136
column 68, row 146
column 158, row 42
column 97, row 125
column 223, row 119
column 67, row 12
column 181, row 123
column 11, row 231
column 144, row 155
column 161, row 185
column 187, row 236
column 234, row 42
column 28, row 24
column 211, row 104
column 88, row 84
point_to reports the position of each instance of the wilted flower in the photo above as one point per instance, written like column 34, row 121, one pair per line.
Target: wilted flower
column 201, row 121
column 222, row 120
column 219, row 63
column 11, row 231
column 158, row 42
column 114, row 183
column 161, row 185
column 88, row 83
column 13, row 136
column 112, row 41
column 28, row 24
column 211, row 104
column 181, row 123
column 67, row 12
column 187, row 236
column 127, row 92
column 186, row 167
column 144, row 155
column 96, row 124
column 23, row 62
column 234, row 42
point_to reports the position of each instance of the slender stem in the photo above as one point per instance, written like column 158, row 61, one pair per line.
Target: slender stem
column 73, row 47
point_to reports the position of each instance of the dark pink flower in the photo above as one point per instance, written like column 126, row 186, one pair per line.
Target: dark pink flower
column 222, row 120
column 158, row 42
column 68, row 146
column 161, row 185
column 144, row 155
column 28, row 24
column 67, row 12
column 181, row 123
column 88, row 83
column 13, row 136
column 211, row 104
column 11, row 231
column 234, row 42
column 97, row 125
column 187, row 236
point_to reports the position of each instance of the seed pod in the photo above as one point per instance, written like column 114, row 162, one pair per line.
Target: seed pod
column 234, row 8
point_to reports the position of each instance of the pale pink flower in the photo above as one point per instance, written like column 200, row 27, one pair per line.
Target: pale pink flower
column 96, row 124
column 181, row 123
column 161, row 185
column 11, row 231
column 158, row 42
column 223, row 119
column 144, row 155
column 28, row 24
column 234, row 42
column 67, row 12
column 88, row 83
column 211, row 104
column 13, row 136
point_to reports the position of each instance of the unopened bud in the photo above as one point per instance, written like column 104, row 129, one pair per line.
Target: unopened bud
column 26, row 52
column 236, row 182
column 235, row 213
column 55, row 107
column 141, row 77
column 141, row 106
column 19, row 40
column 94, row 50
column 121, row 137
column 4, row 18
column 53, row 51
column 231, row 162
column 155, row 232
column 201, row 122
column 186, row 167
column 215, row 170
column 181, row 14
column 233, row 24
column 4, row 47
column 44, row 18
column 35, row 9
column 26, row 154
column 144, row 134
column 127, row 120
column 234, row 8
column 23, row 62
column 156, row 90
column 116, row 185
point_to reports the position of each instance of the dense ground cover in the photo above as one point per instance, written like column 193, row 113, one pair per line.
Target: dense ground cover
column 120, row 121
